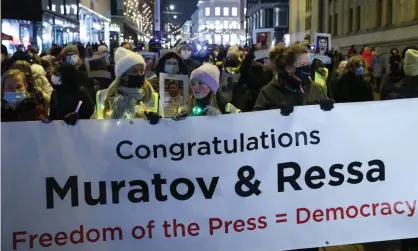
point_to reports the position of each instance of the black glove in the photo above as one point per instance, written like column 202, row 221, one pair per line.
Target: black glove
column 286, row 110
column 252, row 50
column 327, row 104
column 180, row 116
column 71, row 118
column 153, row 117
column 45, row 119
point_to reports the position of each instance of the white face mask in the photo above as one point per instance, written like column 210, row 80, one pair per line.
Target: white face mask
column 56, row 80
column 186, row 54
column 171, row 69
column 74, row 59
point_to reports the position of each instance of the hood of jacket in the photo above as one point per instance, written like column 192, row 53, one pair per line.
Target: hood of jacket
column 167, row 55
column 37, row 71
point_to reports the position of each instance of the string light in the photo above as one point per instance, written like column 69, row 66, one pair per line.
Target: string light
column 140, row 14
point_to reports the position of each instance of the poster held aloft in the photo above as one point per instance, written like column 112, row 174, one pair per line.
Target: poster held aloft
column 174, row 92
column 97, row 66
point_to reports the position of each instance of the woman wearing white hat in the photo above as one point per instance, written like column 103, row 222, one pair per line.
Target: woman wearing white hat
column 130, row 95
column 205, row 99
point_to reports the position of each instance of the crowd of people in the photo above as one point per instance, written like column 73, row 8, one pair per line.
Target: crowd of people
column 56, row 85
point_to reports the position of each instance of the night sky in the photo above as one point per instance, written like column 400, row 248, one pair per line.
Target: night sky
column 186, row 7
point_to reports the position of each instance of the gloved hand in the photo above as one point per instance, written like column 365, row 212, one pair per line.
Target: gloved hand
column 211, row 111
column 71, row 118
column 153, row 117
column 327, row 104
column 286, row 110
column 45, row 119
column 180, row 116
column 252, row 50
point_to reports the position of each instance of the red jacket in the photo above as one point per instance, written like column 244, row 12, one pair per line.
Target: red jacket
column 367, row 56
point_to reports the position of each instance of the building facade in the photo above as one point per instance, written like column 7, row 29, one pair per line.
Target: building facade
column 219, row 22
column 266, row 14
column 186, row 30
column 383, row 23
column 40, row 22
column 94, row 16
column 132, row 21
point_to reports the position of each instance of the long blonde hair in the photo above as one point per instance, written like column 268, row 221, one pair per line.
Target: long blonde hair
column 113, row 90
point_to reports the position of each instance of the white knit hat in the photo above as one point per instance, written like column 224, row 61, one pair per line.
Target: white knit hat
column 410, row 63
column 207, row 74
column 125, row 59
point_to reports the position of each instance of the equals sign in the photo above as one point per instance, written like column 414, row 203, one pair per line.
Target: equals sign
column 281, row 218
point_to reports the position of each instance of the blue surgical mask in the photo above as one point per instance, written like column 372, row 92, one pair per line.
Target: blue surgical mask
column 171, row 69
column 14, row 98
column 74, row 59
column 359, row 71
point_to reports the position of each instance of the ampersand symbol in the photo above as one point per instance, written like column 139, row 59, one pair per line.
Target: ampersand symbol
column 245, row 180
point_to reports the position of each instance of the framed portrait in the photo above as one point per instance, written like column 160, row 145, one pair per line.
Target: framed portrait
column 227, row 84
column 322, row 43
column 152, row 55
column 263, row 40
column 96, row 66
column 174, row 92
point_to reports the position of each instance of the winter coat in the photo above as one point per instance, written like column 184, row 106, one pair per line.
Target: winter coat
column 405, row 88
column 27, row 110
column 350, row 88
column 378, row 65
column 280, row 93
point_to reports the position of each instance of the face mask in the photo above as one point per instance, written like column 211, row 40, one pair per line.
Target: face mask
column 14, row 97
column 171, row 69
column 135, row 81
column 186, row 54
column 359, row 71
column 56, row 80
column 74, row 59
column 303, row 73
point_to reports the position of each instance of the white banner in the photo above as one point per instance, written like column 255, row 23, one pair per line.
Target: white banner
column 317, row 178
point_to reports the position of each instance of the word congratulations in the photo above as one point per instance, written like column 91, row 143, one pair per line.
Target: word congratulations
column 181, row 189
column 178, row 151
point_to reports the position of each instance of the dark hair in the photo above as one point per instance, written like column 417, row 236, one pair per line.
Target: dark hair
column 288, row 56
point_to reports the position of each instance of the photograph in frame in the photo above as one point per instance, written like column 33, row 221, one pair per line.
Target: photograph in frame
column 322, row 43
column 97, row 66
column 174, row 92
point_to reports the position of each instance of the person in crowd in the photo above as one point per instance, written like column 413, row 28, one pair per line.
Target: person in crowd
column 17, row 102
column 71, row 55
column 48, row 64
column 205, row 99
column 33, row 55
column 395, row 64
column 378, row 68
column 353, row 86
column 37, row 94
column 367, row 55
column 5, row 61
column 407, row 87
column 319, row 74
column 352, row 51
column 149, row 68
column 230, row 75
column 130, row 95
column 41, row 83
column 67, row 94
column 215, row 57
column 292, row 85
column 126, row 45
column 103, row 82
column 174, row 96
column 170, row 62
column 185, row 50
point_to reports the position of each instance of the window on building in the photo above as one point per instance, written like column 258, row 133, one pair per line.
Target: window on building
column 217, row 11
column 71, row 9
column 269, row 18
column 233, row 25
column 379, row 9
column 226, row 11
column 225, row 39
column 283, row 18
column 218, row 24
column 308, row 22
column 416, row 9
column 234, row 11
column 210, row 24
column 245, row 10
column 308, row 5
column 389, row 13
column 226, row 24
column 350, row 20
column 207, row 11
column 358, row 18
column 329, row 24
column 335, row 27
column 218, row 39
column 260, row 20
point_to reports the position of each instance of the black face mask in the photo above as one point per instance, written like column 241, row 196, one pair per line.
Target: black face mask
column 135, row 81
column 303, row 73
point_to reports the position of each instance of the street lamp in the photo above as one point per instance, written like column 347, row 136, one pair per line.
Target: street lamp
column 175, row 17
column 172, row 7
